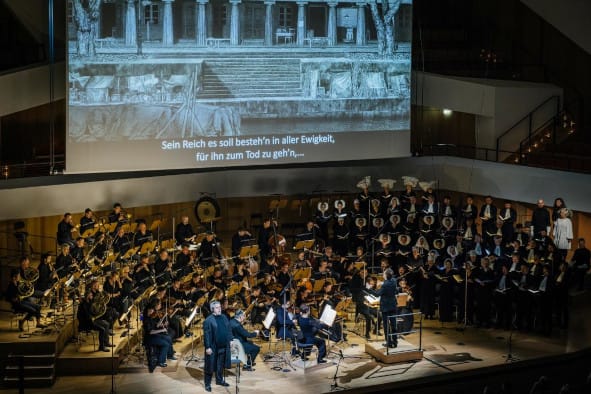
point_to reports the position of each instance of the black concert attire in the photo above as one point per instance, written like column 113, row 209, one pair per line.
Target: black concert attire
column 46, row 279
column 64, row 233
column 182, row 264
column 509, row 217
column 322, row 219
column 162, row 271
column 86, row 224
column 562, row 282
column 183, row 233
column 263, row 242
column 446, row 295
column 63, row 265
column 340, row 240
column 238, row 242
column 540, row 221
column 488, row 215
column 285, row 324
column 157, row 336
column 581, row 260
column 502, row 299
column 217, row 335
column 87, row 323
column 485, row 281
column 469, row 211
column 121, row 245
column 117, row 302
column 141, row 238
column 427, row 291
column 77, row 254
column 143, row 276
column 388, row 308
column 25, row 306
column 209, row 252
column 309, row 327
column 251, row 350
column 543, row 299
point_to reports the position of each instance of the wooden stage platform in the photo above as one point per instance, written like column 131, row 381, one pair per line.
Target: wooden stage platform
column 445, row 350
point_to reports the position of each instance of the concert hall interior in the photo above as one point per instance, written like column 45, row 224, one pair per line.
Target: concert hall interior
column 305, row 196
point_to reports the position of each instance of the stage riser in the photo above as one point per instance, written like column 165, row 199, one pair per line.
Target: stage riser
column 396, row 355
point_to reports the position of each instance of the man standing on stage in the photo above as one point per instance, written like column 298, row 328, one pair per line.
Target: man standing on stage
column 388, row 307
column 217, row 336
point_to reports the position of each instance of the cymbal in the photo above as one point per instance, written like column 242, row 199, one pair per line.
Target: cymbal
column 209, row 220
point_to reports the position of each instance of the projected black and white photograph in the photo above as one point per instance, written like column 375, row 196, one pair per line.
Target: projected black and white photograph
column 177, row 70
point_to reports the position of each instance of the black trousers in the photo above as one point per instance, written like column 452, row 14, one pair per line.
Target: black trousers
column 31, row 309
column 220, row 358
column 389, row 322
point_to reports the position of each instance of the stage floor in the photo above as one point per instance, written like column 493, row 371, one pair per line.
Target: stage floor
column 447, row 350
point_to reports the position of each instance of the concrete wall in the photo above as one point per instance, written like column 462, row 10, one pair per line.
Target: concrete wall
column 497, row 104
column 571, row 17
column 512, row 182
column 30, row 88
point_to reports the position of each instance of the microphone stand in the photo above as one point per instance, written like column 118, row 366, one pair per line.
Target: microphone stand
column 112, row 337
column 284, row 358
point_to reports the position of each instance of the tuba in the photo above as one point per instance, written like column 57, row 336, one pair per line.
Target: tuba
column 25, row 289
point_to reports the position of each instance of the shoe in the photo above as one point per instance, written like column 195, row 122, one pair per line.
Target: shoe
column 104, row 349
column 162, row 365
column 208, row 389
column 367, row 336
column 39, row 325
column 253, row 364
column 224, row 384
column 248, row 368
column 173, row 358
column 321, row 361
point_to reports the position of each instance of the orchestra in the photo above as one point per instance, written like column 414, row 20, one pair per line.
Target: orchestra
column 456, row 263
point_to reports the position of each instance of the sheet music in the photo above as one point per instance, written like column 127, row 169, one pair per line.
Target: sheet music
column 269, row 318
column 191, row 317
column 328, row 316
column 372, row 299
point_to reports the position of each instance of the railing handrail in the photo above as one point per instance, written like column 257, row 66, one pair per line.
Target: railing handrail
column 528, row 115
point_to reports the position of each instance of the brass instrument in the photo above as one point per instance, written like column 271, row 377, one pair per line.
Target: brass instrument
column 99, row 305
column 25, row 289
column 31, row 274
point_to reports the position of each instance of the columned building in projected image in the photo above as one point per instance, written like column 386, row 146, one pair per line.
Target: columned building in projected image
column 241, row 22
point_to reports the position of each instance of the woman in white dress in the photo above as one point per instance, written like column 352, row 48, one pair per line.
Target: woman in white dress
column 563, row 233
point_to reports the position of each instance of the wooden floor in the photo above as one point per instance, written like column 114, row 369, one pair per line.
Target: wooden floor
column 446, row 351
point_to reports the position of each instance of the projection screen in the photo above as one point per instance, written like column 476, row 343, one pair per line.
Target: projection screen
column 174, row 84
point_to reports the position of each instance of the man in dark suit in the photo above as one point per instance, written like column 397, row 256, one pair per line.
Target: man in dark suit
column 388, row 307
column 310, row 327
column 217, row 336
column 240, row 333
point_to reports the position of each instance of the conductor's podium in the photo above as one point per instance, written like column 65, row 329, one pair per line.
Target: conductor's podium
column 405, row 351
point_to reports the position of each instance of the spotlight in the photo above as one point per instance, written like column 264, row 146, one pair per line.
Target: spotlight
column 447, row 112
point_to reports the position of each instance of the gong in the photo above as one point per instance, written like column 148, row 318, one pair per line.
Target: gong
column 207, row 210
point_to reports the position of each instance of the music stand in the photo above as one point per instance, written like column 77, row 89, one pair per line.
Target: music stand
column 248, row 251
column 304, row 245
column 268, row 322
column 130, row 252
column 148, row 247
column 90, row 232
column 189, row 323
column 302, row 273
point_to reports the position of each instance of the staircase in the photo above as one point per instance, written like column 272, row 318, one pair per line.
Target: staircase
column 260, row 77
column 38, row 370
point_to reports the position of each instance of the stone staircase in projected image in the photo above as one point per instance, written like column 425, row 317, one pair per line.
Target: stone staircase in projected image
column 260, row 77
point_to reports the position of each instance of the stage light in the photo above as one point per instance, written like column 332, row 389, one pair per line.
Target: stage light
column 447, row 112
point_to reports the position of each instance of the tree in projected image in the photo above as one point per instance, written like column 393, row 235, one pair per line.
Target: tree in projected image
column 383, row 18
column 86, row 15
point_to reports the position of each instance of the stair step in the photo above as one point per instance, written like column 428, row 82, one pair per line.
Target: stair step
column 30, row 382
column 29, row 367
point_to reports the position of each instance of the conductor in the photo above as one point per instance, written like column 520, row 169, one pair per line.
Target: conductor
column 388, row 307
column 217, row 336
